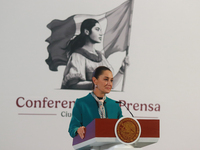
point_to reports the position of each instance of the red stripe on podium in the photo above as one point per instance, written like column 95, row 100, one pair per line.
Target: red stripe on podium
column 149, row 128
column 105, row 127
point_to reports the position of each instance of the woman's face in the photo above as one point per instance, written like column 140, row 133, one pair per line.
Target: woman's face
column 96, row 33
column 104, row 82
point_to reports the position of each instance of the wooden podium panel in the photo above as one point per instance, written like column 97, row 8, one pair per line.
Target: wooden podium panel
column 101, row 131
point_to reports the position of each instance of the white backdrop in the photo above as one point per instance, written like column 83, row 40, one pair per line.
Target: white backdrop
column 164, row 69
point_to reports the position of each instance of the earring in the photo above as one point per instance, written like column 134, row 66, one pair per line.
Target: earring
column 95, row 86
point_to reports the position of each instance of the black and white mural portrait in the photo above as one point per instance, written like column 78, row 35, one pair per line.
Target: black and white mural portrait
column 84, row 42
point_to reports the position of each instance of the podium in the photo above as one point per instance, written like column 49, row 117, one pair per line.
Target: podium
column 100, row 135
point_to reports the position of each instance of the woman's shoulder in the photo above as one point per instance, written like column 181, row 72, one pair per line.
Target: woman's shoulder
column 84, row 98
column 109, row 100
column 77, row 56
column 112, row 103
column 87, row 55
column 77, row 59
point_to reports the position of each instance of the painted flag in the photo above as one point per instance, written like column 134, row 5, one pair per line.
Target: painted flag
column 115, row 28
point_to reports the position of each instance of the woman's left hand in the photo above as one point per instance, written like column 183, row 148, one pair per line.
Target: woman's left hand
column 81, row 132
column 124, row 64
column 126, row 61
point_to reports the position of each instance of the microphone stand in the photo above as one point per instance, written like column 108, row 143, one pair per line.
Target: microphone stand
column 126, row 107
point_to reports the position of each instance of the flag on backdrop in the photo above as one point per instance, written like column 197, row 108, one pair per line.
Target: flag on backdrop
column 115, row 28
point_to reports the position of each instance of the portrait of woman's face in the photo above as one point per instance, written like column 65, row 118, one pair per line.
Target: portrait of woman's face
column 105, row 81
column 96, row 33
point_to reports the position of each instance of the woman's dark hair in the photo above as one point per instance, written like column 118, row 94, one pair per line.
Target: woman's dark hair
column 79, row 40
column 99, row 71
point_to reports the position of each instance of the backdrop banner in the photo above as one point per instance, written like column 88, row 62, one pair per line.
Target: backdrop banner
column 162, row 80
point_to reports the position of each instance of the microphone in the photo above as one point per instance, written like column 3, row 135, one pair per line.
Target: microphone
column 125, row 106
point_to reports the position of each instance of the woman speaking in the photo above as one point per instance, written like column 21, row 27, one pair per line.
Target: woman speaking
column 95, row 104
